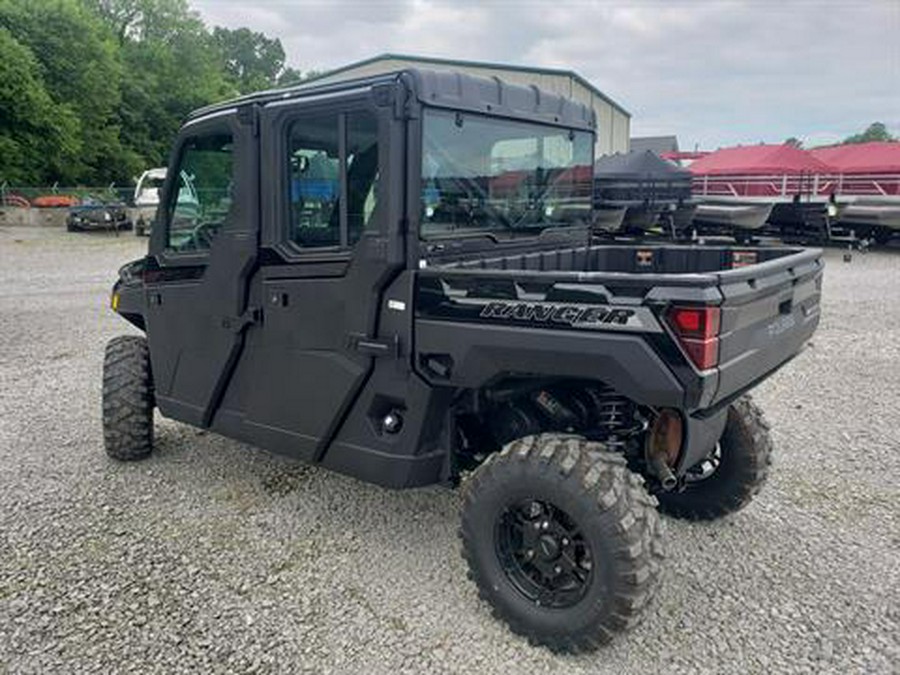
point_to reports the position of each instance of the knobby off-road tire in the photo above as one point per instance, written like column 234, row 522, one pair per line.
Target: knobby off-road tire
column 743, row 466
column 127, row 399
column 616, row 519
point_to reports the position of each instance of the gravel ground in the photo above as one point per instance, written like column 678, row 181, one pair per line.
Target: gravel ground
column 214, row 557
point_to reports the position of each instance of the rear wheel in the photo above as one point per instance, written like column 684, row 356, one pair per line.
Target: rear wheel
column 734, row 472
column 562, row 540
column 127, row 398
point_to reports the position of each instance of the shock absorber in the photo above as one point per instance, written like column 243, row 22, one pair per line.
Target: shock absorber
column 613, row 418
column 595, row 410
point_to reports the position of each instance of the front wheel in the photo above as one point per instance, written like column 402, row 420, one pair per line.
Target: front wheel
column 562, row 540
column 128, row 399
column 734, row 472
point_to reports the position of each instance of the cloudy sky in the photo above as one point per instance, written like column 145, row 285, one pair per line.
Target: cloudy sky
column 714, row 72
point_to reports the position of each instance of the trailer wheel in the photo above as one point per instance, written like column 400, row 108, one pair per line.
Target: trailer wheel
column 562, row 540
column 732, row 475
column 127, row 399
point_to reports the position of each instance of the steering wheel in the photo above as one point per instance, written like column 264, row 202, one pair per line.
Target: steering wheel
column 202, row 235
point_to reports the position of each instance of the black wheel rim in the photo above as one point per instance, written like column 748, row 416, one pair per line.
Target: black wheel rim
column 544, row 553
column 705, row 468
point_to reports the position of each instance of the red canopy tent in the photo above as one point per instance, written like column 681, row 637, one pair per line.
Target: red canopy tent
column 758, row 160
column 859, row 158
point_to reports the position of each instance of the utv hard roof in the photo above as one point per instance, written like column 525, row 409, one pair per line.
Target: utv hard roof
column 453, row 90
column 430, row 61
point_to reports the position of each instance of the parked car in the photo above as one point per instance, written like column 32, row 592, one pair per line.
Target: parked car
column 437, row 314
column 146, row 199
column 96, row 214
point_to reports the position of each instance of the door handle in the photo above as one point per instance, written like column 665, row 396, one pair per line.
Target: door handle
column 373, row 347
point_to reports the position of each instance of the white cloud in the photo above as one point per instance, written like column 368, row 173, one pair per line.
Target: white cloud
column 715, row 72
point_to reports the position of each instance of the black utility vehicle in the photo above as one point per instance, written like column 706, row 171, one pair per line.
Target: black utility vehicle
column 394, row 278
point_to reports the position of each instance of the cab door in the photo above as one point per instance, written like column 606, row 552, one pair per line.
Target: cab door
column 200, row 264
column 330, row 246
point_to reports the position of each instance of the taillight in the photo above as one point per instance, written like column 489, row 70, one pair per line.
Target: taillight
column 697, row 330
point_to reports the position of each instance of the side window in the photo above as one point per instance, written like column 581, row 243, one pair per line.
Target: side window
column 362, row 174
column 202, row 196
column 327, row 171
column 315, row 174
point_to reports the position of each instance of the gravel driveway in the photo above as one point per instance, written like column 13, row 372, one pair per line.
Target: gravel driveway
column 215, row 557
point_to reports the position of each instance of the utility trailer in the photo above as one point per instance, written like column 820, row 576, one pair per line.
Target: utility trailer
column 394, row 278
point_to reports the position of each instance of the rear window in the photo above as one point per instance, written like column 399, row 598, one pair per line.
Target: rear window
column 501, row 176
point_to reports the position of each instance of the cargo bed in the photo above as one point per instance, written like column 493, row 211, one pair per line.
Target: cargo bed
column 767, row 300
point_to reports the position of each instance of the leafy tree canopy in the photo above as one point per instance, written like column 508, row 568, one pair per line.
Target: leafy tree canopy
column 40, row 140
column 94, row 91
column 874, row 132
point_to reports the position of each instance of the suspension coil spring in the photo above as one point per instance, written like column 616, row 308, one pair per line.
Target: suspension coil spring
column 613, row 416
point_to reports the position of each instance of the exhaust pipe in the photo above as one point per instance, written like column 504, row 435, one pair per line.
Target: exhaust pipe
column 663, row 447
column 662, row 471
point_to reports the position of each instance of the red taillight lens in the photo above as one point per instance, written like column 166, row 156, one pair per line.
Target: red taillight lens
column 697, row 330
column 696, row 322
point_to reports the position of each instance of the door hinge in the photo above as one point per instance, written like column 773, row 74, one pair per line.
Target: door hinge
column 237, row 324
column 249, row 115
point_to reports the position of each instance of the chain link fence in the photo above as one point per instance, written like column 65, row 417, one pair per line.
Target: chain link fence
column 56, row 196
column 55, row 206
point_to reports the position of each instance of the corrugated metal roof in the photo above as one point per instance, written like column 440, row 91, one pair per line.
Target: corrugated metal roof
column 475, row 64
column 655, row 144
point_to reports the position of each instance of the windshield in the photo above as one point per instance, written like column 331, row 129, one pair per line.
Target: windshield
column 484, row 174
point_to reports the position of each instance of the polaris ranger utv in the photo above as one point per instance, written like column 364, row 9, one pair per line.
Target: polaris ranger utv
column 395, row 278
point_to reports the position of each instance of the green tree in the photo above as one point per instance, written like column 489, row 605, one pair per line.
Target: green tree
column 39, row 139
column 794, row 142
column 94, row 91
column 290, row 76
column 80, row 69
column 252, row 61
column 171, row 66
column 876, row 131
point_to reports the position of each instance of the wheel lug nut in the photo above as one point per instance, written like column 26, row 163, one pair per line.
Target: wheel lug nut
column 545, row 525
column 529, row 554
column 565, row 541
column 557, row 569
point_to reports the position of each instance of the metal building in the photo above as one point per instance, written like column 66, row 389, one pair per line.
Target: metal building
column 658, row 145
column 613, row 121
